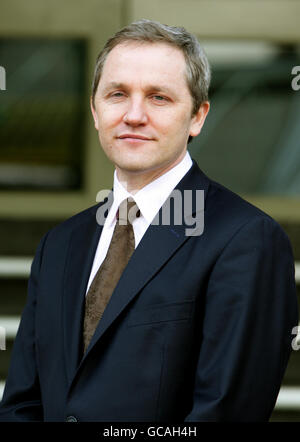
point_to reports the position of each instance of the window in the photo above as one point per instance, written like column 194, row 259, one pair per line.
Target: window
column 42, row 116
column 251, row 139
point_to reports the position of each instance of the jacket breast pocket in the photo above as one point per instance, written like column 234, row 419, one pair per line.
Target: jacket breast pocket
column 161, row 313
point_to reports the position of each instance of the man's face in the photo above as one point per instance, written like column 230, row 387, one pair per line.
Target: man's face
column 143, row 107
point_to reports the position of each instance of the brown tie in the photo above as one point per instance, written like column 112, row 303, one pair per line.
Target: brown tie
column 120, row 250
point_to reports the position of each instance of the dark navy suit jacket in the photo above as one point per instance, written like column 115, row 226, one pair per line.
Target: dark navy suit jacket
column 197, row 329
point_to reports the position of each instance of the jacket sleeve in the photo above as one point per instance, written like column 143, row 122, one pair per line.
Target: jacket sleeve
column 251, row 308
column 22, row 397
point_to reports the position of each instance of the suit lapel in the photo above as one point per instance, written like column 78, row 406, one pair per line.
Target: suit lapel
column 146, row 260
column 82, row 248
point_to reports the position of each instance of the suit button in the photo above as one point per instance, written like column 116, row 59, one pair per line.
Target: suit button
column 71, row 419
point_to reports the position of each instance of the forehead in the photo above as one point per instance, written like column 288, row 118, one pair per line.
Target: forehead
column 145, row 62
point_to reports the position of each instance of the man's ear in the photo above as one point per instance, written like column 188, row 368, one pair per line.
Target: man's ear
column 94, row 113
column 199, row 119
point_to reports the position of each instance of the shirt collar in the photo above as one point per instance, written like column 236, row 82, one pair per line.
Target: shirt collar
column 151, row 197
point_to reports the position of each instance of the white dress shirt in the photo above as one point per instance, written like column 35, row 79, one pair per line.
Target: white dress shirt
column 149, row 200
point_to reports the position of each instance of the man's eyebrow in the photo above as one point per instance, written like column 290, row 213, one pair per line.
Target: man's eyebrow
column 113, row 85
column 160, row 88
column 151, row 88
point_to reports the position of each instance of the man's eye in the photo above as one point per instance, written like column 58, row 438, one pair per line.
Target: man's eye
column 159, row 98
column 117, row 94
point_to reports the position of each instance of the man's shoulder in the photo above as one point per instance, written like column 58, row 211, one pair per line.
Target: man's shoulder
column 230, row 219
column 66, row 227
column 222, row 201
column 224, row 198
column 233, row 211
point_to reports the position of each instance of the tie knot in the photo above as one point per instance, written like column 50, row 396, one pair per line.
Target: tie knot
column 128, row 211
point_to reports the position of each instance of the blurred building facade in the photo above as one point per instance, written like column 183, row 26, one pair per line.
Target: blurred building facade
column 51, row 165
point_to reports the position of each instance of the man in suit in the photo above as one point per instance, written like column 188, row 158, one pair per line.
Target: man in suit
column 162, row 325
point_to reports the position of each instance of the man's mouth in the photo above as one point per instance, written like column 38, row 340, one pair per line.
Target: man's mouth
column 134, row 137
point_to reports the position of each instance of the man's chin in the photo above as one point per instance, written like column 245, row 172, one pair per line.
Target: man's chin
column 135, row 169
column 136, row 166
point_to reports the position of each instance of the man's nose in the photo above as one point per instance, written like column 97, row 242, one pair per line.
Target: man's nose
column 135, row 113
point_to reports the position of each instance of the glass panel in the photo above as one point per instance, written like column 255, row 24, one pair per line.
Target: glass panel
column 251, row 139
column 41, row 113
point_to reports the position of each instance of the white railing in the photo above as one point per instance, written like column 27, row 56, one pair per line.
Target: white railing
column 15, row 267
column 288, row 398
column 297, row 272
column 10, row 324
column 19, row 267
